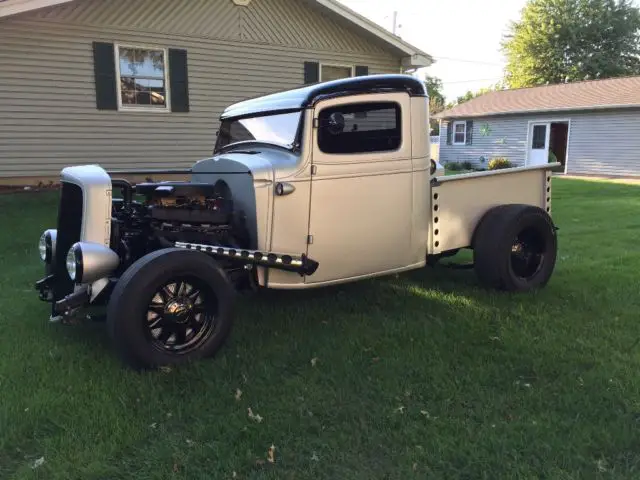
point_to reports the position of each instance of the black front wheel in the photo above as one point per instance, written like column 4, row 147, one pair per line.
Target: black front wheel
column 515, row 248
column 169, row 307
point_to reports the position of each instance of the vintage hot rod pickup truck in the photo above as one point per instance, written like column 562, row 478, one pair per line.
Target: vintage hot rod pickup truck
column 311, row 187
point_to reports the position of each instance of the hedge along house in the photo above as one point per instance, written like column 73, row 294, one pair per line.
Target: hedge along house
column 141, row 83
column 591, row 127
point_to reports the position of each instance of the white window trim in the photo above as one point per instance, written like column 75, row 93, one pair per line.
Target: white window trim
column 453, row 133
column 142, row 108
column 352, row 67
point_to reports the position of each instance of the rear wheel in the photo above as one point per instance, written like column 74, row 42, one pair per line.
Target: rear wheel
column 169, row 307
column 515, row 248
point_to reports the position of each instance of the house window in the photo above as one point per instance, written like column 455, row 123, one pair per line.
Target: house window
column 459, row 133
column 360, row 128
column 142, row 78
column 335, row 72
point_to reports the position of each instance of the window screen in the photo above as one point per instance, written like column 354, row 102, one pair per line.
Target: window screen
column 539, row 137
column 360, row 128
column 142, row 77
column 334, row 72
column 460, row 132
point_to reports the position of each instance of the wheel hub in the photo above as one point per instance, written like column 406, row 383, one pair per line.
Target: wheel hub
column 527, row 254
column 181, row 315
column 179, row 309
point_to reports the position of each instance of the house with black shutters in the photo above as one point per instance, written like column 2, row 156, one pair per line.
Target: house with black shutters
column 141, row 83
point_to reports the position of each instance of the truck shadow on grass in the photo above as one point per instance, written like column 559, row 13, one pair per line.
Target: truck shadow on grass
column 415, row 320
column 427, row 303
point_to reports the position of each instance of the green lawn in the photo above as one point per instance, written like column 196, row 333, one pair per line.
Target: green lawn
column 424, row 375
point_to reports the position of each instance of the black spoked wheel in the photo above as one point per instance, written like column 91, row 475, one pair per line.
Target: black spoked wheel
column 527, row 253
column 181, row 315
column 169, row 307
column 515, row 248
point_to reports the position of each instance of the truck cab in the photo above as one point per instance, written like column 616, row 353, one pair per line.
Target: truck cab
column 343, row 175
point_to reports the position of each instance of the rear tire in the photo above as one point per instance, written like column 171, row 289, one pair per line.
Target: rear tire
column 170, row 307
column 515, row 248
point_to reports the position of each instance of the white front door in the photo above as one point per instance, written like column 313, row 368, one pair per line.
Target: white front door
column 539, row 144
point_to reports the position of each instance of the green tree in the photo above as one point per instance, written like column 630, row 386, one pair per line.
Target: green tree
column 436, row 101
column 561, row 41
column 469, row 95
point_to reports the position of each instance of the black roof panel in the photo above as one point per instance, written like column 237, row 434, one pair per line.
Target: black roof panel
column 303, row 97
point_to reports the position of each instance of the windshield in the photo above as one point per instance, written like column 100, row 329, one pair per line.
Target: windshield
column 280, row 129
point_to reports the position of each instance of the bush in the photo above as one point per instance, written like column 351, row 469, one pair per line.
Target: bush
column 453, row 166
column 499, row 163
column 467, row 165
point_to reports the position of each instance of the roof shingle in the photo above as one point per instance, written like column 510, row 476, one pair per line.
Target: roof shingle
column 594, row 94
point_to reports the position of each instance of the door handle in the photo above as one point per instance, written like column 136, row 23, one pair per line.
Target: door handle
column 284, row 189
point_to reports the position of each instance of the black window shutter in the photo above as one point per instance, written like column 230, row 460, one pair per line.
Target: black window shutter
column 362, row 71
column 104, row 68
column 449, row 132
column 178, row 80
column 469, row 132
column 311, row 72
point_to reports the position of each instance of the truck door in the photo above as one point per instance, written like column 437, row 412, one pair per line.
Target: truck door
column 361, row 188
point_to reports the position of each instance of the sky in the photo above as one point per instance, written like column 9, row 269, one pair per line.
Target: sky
column 464, row 35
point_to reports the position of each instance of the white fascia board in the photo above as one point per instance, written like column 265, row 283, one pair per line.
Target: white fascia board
column 388, row 37
column 14, row 7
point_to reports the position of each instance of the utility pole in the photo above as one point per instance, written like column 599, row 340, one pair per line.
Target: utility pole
column 395, row 21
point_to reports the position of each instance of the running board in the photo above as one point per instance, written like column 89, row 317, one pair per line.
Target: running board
column 290, row 263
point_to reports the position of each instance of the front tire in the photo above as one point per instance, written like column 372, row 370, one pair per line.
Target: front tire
column 171, row 306
column 515, row 248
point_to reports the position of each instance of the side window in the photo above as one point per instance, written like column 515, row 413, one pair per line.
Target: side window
column 143, row 78
column 360, row 128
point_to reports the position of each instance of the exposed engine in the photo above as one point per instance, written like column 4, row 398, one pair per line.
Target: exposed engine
column 150, row 216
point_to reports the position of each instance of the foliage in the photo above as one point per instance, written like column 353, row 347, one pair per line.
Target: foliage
column 471, row 95
column 561, row 41
column 460, row 166
column 453, row 166
column 499, row 163
column 436, row 102
column 467, row 165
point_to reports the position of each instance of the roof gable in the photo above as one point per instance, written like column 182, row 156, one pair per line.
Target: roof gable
column 623, row 92
column 413, row 57
column 14, row 7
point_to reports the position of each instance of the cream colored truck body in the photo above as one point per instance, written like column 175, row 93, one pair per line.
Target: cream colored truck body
column 372, row 214
column 272, row 207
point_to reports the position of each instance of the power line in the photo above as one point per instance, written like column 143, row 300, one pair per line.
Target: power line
column 467, row 61
column 476, row 80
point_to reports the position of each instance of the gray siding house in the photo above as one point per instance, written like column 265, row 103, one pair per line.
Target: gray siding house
column 590, row 127
column 141, row 83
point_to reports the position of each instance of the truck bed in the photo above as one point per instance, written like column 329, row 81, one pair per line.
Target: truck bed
column 458, row 202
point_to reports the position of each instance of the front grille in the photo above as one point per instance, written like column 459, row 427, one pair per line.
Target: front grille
column 69, row 229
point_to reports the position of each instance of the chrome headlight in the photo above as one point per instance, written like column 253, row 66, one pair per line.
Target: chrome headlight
column 88, row 262
column 72, row 263
column 47, row 245
column 42, row 247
